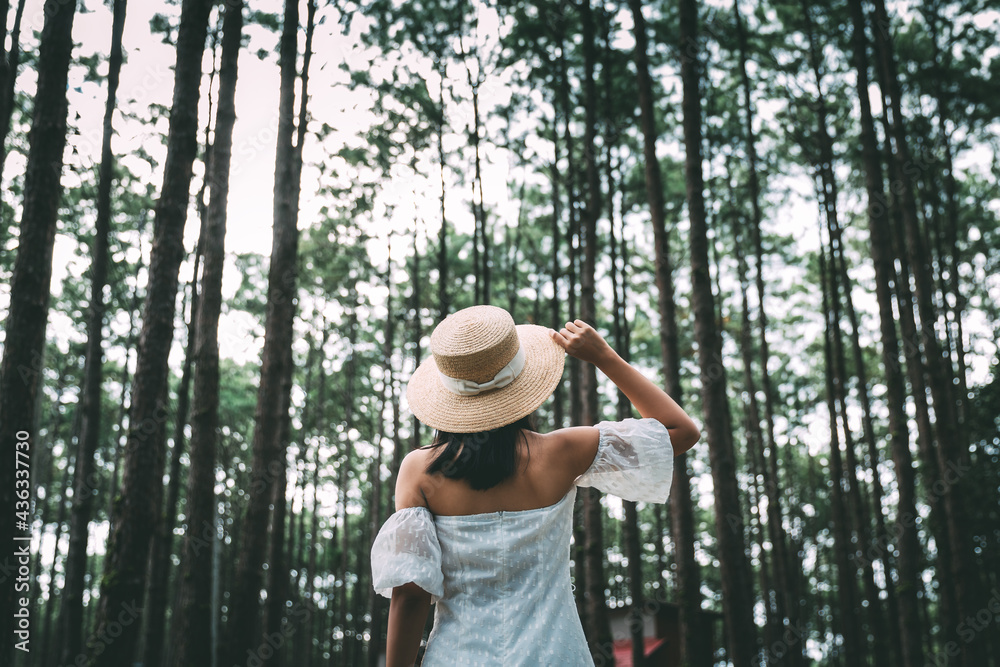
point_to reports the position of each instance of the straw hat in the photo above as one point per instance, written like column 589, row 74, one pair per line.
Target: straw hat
column 485, row 372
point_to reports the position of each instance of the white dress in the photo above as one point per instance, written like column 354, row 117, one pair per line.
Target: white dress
column 501, row 580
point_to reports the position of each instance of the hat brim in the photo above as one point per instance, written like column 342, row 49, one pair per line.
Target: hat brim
column 440, row 408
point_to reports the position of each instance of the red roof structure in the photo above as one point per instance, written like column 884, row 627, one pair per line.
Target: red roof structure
column 623, row 649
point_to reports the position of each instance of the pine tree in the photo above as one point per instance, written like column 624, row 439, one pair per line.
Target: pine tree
column 24, row 345
column 136, row 510
column 194, row 612
column 737, row 596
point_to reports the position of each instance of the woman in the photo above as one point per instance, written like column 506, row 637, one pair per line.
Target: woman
column 484, row 515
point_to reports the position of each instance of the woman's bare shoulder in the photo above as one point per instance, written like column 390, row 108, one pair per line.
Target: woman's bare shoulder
column 572, row 449
column 408, row 482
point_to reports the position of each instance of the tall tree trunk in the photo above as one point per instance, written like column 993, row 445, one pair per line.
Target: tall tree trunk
column 85, row 474
column 630, row 528
column 772, row 620
column 564, row 105
column 599, row 624
column 774, row 607
column 194, row 611
column 123, row 589
column 51, row 603
column 375, row 606
column 314, row 515
column 350, row 372
column 9, row 62
column 444, row 301
column 483, row 271
column 859, row 515
column 930, row 466
column 945, row 58
column 272, row 402
column 654, row 195
column 47, row 482
column 882, row 242
column 125, row 378
column 965, row 575
column 163, row 538
column 277, row 561
column 162, row 545
column 838, row 275
column 416, row 331
column 27, row 316
column 862, row 520
column 848, row 606
column 555, row 312
column 787, row 599
column 297, row 527
column 737, row 594
column 954, row 279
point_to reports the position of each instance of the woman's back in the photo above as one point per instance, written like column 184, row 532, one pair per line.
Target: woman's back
column 548, row 464
column 508, row 600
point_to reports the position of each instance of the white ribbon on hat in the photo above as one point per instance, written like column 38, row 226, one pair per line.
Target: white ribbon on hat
column 506, row 375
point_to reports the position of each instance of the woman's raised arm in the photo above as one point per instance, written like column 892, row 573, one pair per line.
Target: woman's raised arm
column 582, row 341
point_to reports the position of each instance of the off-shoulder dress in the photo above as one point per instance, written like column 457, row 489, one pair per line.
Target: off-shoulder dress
column 501, row 580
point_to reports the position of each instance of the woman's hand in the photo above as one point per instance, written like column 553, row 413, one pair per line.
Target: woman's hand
column 582, row 341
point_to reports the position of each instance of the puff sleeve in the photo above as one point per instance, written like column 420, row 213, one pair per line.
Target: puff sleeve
column 635, row 461
column 407, row 550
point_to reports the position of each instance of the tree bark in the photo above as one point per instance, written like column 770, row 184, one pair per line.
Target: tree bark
column 861, row 524
column 846, row 573
column 152, row 643
column 599, row 635
column 774, row 607
column 125, row 379
column 297, row 526
column 444, row 301
column 737, row 595
column 416, row 330
column 51, row 602
column 27, row 316
column 483, row 269
column 122, row 589
column 555, row 312
column 350, row 372
column 314, row 514
column 788, row 597
column 278, row 577
column 9, row 62
column 375, row 605
column 272, row 402
column 576, row 403
column 930, row 466
column 85, row 474
column 44, row 506
column 965, row 577
column 194, row 611
column 631, row 534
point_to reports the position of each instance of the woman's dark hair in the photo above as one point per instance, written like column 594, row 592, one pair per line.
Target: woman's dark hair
column 483, row 459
